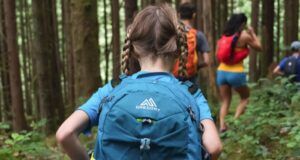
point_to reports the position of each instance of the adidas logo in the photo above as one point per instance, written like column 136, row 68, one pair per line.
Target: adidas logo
column 148, row 104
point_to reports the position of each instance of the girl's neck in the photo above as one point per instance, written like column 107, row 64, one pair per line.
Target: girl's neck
column 150, row 65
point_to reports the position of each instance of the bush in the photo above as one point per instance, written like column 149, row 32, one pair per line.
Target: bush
column 26, row 144
column 270, row 127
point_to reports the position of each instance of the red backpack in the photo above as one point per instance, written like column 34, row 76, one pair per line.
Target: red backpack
column 192, row 58
column 226, row 52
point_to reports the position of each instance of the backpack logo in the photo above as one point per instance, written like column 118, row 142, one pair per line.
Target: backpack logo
column 148, row 104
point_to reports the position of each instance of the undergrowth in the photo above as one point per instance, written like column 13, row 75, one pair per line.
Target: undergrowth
column 270, row 127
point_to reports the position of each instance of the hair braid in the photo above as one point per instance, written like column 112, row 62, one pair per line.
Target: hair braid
column 126, row 54
column 183, row 50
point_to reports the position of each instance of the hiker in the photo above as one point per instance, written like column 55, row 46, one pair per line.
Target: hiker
column 196, row 41
column 148, row 114
column 290, row 65
column 232, row 48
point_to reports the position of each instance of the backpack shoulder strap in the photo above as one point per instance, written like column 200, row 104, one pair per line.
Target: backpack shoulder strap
column 116, row 81
column 192, row 88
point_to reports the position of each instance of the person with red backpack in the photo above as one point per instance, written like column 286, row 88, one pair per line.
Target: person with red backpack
column 197, row 44
column 232, row 48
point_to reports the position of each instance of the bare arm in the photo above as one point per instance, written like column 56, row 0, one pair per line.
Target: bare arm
column 211, row 139
column 206, row 61
column 67, row 135
column 277, row 71
column 252, row 40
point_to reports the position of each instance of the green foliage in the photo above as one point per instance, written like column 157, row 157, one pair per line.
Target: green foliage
column 26, row 144
column 270, row 127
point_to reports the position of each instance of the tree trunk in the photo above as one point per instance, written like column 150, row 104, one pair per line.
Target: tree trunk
column 45, row 51
column 291, row 18
column 68, row 44
column 208, row 30
column 56, row 66
column 31, row 62
column 25, row 60
column 278, row 37
column 253, row 71
column 199, row 15
column 106, row 50
column 232, row 4
column 116, row 37
column 130, row 11
column 86, row 49
column 4, row 69
column 19, row 121
column 224, row 15
column 267, row 34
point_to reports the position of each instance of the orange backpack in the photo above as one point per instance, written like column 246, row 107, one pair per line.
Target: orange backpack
column 192, row 58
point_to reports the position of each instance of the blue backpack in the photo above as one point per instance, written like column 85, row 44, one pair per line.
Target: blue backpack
column 290, row 67
column 149, row 120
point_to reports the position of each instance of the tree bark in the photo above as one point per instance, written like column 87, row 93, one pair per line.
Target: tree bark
column 199, row 14
column 208, row 30
column 56, row 66
column 18, row 117
column 291, row 19
column 278, row 37
column 267, row 34
column 46, row 53
column 31, row 62
column 4, row 71
column 25, row 59
column 116, row 37
column 106, row 50
column 68, row 44
column 253, row 71
column 86, row 49
column 130, row 10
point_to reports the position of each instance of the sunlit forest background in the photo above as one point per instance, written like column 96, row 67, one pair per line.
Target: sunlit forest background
column 55, row 53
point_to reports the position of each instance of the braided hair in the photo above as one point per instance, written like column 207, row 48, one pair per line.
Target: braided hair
column 183, row 49
column 155, row 31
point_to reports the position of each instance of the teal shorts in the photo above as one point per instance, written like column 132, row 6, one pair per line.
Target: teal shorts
column 233, row 79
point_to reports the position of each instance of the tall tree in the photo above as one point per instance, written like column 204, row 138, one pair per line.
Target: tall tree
column 68, row 44
column 278, row 26
column 18, row 117
column 4, row 69
column 208, row 30
column 46, row 53
column 199, row 15
column 25, row 58
column 291, row 19
column 253, row 73
column 130, row 10
column 86, row 50
column 267, row 34
column 223, row 14
column 106, row 50
column 116, row 37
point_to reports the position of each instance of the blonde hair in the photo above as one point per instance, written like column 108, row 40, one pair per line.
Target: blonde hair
column 155, row 31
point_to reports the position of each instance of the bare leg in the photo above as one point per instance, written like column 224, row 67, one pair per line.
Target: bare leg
column 225, row 91
column 244, row 95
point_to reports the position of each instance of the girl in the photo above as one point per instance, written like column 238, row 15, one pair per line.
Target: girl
column 232, row 76
column 154, row 39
